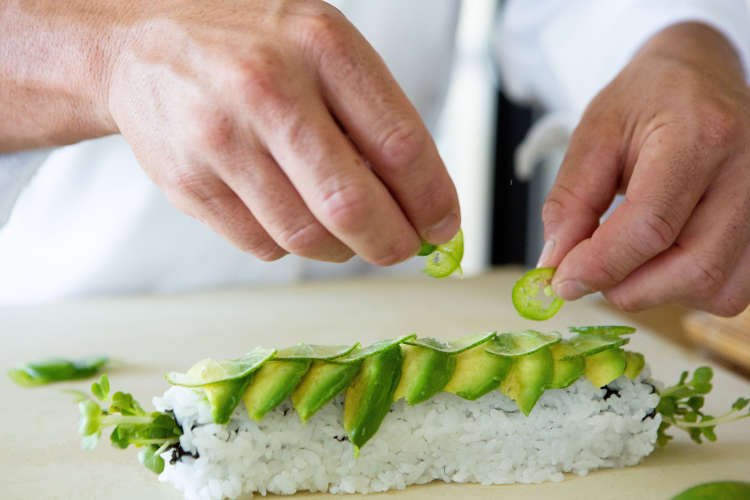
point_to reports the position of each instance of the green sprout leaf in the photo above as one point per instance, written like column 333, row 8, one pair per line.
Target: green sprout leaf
column 681, row 406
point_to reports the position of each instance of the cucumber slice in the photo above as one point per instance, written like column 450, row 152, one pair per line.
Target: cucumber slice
column 529, row 376
column 607, row 329
column 371, row 350
column 314, row 351
column 425, row 372
column 453, row 346
column 605, row 366
column 370, row 394
column 515, row 344
column 272, row 384
column 588, row 344
column 211, row 371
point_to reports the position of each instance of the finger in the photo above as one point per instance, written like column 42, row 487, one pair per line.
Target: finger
column 384, row 125
column 202, row 195
column 266, row 191
column 698, row 269
column 297, row 129
column 734, row 296
column 584, row 187
column 668, row 179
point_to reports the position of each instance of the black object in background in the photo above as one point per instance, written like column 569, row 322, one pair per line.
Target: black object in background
column 510, row 195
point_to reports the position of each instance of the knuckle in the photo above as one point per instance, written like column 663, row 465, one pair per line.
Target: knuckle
column 259, row 77
column 261, row 246
column 214, row 132
column 552, row 209
column 706, row 278
column 304, row 239
column 347, row 207
column 401, row 144
column 190, row 184
column 654, row 234
column 719, row 125
column 624, row 302
column 324, row 30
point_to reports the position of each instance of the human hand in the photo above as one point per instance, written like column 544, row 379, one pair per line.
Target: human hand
column 671, row 131
column 280, row 127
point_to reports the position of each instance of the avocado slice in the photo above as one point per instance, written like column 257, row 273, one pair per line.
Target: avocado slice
column 224, row 396
column 210, row 371
column 606, row 329
column 605, row 366
column 521, row 343
column 425, row 373
column 370, row 394
column 634, row 363
column 272, row 384
column 529, row 376
column 453, row 346
column 322, row 382
column 477, row 372
column 566, row 369
column 588, row 344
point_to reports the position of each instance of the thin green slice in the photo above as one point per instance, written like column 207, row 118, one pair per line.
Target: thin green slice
column 526, row 290
column 634, row 363
column 377, row 347
column 444, row 259
column 514, row 344
column 718, row 490
column 606, row 329
column 210, row 371
column 588, row 344
column 315, row 352
column 453, row 346
column 56, row 370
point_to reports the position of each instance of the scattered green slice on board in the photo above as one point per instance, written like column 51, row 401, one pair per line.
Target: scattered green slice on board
column 477, row 373
column 605, row 366
column 589, row 344
column 718, row 490
column 425, row 372
column 522, row 343
column 322, row 382
column 272, row 384
column 605, row 329
column 211, row 371
column 634, row 363
column 529, row 376
column 567, row 367
column 376, row 348
column 56, row 370
column 369, row 397
column 528, row 288
column 443, row 260
column 453, row 346
column 313, row 351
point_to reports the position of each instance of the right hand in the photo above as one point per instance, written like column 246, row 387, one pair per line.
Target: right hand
column 280, row 127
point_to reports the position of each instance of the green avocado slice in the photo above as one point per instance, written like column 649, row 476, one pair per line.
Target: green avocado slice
column 315, row 352
column 224, row 396
column 210, row 371
column 588, row 344
column 477, row 372
column 370, row 394
column 522, row 343
column 606, row 329
column 371, row 350
column 272, row 384
column 322, row 382
column 605, row 366
column 529, row 376
column 425, row 373
column 453, row 346
column 566, row 368
column 634, row 363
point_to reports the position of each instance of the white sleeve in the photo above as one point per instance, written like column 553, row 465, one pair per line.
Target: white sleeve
column 560, row 53
column 16, row 170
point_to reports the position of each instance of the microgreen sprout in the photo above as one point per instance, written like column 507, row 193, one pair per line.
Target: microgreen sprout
column 681, row 406
column 153, row 432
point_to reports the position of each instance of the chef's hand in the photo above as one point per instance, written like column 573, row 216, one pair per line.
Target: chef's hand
column 671, row 131
column 281, row 128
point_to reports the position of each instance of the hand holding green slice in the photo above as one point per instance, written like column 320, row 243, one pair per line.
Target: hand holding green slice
column 527, row 289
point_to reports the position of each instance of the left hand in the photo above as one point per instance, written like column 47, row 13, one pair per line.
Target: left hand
column 672, row 131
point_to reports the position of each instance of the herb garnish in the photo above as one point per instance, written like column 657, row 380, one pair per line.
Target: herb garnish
column 680, row 406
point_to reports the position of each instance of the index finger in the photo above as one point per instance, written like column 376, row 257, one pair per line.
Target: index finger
column 384, row 125
column 666, row 184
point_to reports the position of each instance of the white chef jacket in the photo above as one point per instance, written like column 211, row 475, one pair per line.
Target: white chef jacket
column 84, row 219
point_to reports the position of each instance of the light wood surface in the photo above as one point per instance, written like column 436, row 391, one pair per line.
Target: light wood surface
column 41, row 457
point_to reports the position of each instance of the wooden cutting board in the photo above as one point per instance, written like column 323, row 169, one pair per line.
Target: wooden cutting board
column 41, row 457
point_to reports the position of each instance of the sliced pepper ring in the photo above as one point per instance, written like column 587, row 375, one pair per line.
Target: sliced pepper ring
column 526, row 290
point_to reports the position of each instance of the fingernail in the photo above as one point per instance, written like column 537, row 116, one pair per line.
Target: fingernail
column 549, row 245
column 443, row 231
column 571, row 290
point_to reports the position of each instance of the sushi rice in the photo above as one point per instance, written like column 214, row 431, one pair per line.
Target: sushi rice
column 489, row 441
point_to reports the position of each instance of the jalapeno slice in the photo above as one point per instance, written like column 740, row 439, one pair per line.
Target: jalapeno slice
column 527, row 289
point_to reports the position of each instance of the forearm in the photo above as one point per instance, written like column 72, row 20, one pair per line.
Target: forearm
column 54, row 68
